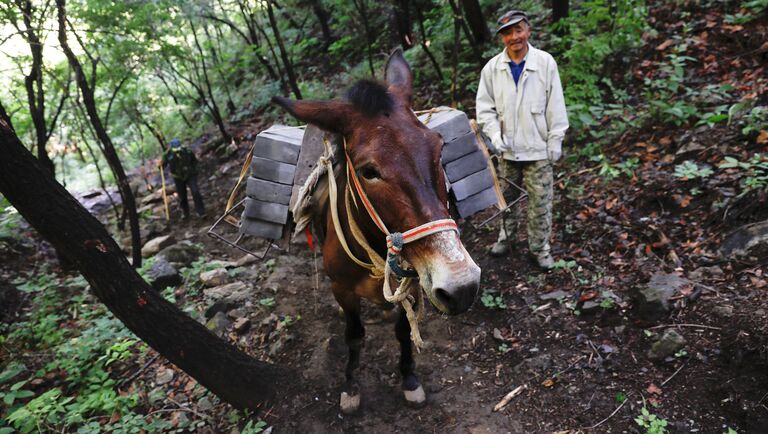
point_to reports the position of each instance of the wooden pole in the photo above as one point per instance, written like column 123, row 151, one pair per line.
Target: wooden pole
column 165, row 195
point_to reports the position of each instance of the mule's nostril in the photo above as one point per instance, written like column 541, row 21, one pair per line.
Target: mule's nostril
column 445, row 298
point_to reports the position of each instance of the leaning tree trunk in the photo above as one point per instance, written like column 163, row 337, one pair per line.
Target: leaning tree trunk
column 129, row 202
column 232, row 375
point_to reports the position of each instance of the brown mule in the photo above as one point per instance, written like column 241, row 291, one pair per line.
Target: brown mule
column 396, row 160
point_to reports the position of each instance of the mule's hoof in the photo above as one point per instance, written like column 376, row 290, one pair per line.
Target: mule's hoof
column 416, row 397
column 349, row 403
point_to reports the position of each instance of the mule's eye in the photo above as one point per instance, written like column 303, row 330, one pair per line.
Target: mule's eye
column 369, row 172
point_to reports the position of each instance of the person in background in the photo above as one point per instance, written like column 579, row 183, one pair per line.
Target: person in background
column 183, row 165
column 521, row 108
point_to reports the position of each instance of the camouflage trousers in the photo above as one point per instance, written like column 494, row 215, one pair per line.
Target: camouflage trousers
column 536, row 178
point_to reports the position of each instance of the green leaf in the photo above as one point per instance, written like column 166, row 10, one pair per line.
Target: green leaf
column 13, row 369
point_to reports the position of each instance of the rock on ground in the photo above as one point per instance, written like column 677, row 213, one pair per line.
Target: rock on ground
column 163, row 274
column 182, row 253
column 746, row 241
column 153, row 246
column 669, row 343
column 214, row 278
column 653, row 299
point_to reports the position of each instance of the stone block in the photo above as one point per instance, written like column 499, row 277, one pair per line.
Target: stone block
column 450, row 123
column 459, row 147
column 472, row 184
column 268, row 191
column 271, row 170
column 476, row 203
column 280, row 144
column 471, row 163
column 268, row 211
column 260, row 228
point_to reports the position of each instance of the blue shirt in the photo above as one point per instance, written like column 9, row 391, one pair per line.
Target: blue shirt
column 516, row 69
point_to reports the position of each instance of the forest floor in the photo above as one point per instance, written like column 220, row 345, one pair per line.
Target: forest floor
column 577, row 338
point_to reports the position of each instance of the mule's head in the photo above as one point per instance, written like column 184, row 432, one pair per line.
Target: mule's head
column 397, row 160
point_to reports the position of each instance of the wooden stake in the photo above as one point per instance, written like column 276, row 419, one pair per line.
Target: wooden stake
column 165, row 196
column 481, row 144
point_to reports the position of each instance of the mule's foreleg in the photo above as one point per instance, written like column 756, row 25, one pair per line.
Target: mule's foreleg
column 354, row 334
column 412, row 390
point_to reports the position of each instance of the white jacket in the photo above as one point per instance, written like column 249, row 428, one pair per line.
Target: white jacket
column 533, row 113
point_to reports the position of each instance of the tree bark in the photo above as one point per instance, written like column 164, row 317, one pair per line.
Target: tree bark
column 402, row 24
column 215, row 112
column 476, row 20
column 235, row 377
column 283, row 53
column 362, row 9
column 110, row 154
column 424, row 44
column 559, row 10
column 322, row 17
column 459, row 18
column 33, row 82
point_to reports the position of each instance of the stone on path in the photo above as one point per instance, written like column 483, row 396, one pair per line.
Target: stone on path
column 242, row 325
column 235, row 291
column 653, row 299
column 153, row 246
column 183, row 253
column 162, row 275
column 214, row 278
column 218, row 324
column 746, row 241
column 669, row 343
column 164, row 376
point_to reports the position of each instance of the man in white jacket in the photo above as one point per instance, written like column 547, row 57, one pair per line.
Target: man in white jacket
column 520, row 107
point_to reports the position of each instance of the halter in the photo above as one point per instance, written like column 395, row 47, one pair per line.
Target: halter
column 395, row 241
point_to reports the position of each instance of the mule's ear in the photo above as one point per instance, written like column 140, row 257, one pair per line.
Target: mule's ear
column 331, row 115
column 398, row 74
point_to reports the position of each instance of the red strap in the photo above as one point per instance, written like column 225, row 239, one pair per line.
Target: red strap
column 310, row 242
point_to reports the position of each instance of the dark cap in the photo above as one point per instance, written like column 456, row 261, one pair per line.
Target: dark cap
column 511, row 18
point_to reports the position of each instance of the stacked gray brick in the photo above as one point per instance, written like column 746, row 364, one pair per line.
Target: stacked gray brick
column 465, row 164
column 268, row 189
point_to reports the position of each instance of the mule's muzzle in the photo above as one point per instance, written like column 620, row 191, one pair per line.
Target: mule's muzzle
column 457, row 299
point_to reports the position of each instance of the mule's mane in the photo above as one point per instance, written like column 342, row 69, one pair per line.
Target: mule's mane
column 370, row 97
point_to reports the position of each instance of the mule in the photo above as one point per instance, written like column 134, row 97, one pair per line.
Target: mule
column 395, row 160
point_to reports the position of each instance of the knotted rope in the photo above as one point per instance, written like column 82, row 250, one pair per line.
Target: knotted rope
column 379, row 267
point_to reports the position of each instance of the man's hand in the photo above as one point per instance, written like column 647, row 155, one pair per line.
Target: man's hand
column 554, row 155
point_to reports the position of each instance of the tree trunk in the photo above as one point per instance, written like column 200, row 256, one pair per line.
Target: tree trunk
column 455, row 63
column 110, row 154
column 283, row 53
column 559, row 10
column 34, row 84
column 476, row 21
column 322, row 17
column 423, row 42
column 360, row 5
column 403, row 24
column 235, row 377
column 459, row 18
column 215, row 112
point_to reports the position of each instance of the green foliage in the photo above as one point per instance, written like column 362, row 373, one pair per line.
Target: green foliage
column 10, row 220
column 691, row 170
column 492, row 301
column 620, row 397
column 83, row 345
column 753, row 172
column 754, row 8
column 650, row 422
column 596, row 30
